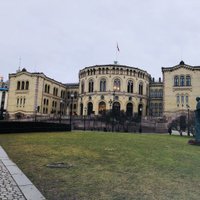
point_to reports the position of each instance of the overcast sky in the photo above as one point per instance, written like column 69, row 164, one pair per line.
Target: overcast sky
column 60, row 37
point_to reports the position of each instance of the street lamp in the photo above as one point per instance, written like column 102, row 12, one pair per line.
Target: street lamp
column 61, row 101
column 188, row 125
column 140, row 129
column 85, row 109
column 71, row 110
column 111, row 111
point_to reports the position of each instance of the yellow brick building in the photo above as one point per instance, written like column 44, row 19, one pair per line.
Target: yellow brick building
column 118, row 87
column 32, row 94
column 106, row 87
column 181, row 86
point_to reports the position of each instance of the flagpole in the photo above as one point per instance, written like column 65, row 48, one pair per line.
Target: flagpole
column 117, row 53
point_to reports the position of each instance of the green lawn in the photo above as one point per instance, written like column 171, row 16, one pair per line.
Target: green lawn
column 108, row 165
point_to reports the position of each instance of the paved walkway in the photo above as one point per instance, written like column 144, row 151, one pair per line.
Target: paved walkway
column 14, row 185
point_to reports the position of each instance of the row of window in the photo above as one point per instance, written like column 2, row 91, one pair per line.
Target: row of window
column 21, row 101
column 55, row 91
column 70, row 94
column 114, row 70
column 182, row 99
column 182, row 80
column 22, row 85
column 156, row 106
column 102, row 108
column 116, row 86
column 157, row 93
column 156, row 109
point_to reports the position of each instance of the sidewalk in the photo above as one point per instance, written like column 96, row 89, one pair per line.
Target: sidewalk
column 14, row 185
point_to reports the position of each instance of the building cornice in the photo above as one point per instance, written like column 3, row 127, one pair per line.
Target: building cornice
column 181, row 65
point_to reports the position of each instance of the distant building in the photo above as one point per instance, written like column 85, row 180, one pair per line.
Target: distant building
column 156, row 98
column 72, row 98
column 3, row 98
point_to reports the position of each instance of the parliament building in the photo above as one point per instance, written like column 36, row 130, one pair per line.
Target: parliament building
column 105, row 87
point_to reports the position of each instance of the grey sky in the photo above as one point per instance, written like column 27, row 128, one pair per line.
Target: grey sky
column 60, row 37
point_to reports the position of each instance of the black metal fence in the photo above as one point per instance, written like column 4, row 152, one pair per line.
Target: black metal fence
column 28, row 126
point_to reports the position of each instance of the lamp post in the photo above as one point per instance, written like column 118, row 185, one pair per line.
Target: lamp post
column 111, row 111
column 85, row 109
column 188, row 118
column 140, row 129
column 71, row 110
column 61, row 101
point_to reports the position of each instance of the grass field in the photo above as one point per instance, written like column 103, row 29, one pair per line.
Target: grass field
column 108, row 165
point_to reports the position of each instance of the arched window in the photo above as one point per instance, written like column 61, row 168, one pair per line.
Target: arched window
column 182, row 80
column 116, row 108
column 116, row 85
column 188, row 80
column 129, row 109
column 45, row 88
column 130, row 86
column 176, row 81
column 91, row 86
column 141, row 88
column 27, row 85
column 117, row 71
column 127, row 72
column 18, row 85
column 102, row 85
column 102, row 107
column 90, row 108
column 81, row 109
column 82, row 87
column 23, row 85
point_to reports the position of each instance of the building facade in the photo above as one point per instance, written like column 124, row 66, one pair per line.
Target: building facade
column 180, row 88
column 156, row 98
column 33, row 94
column 3, row 98
column 103, row 88
column 72, row 98
column 116, row 87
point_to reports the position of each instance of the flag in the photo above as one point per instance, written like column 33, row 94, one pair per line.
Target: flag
column 118, row 48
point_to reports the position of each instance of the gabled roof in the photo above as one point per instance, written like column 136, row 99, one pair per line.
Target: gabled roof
column 180, row 65
column 41, row 74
